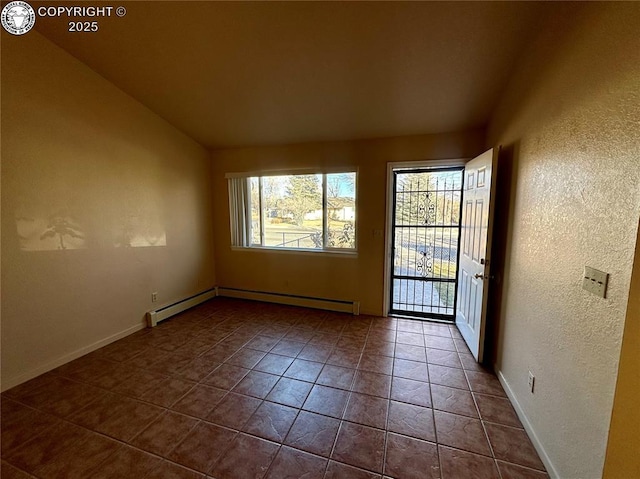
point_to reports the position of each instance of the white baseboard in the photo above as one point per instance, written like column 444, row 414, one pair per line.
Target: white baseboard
column 166, row 311
column 352, row 307
column 153, row 317
column 24, row 377
column 544, row 457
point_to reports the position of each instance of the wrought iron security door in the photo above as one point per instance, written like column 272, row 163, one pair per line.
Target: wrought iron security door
column 426, row 234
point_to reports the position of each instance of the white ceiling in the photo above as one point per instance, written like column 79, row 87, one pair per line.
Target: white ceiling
column 239, row 74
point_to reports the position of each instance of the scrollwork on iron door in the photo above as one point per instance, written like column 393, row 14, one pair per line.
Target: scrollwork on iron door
column 426, row 209
column 425, row 263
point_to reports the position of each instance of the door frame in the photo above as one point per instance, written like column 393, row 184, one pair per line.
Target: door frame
column 388, row 233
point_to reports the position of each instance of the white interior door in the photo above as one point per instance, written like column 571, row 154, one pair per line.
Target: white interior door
column 475, row 261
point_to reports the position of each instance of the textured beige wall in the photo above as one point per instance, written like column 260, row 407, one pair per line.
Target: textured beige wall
column 622, row 458
column 75, row 146
column 572, row 115
column 332, row 277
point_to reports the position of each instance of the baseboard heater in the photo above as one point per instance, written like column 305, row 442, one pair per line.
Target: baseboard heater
column 352, row 307
column 154, row 317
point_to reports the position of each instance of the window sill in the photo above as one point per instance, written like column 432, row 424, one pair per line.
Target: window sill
column 305, row 252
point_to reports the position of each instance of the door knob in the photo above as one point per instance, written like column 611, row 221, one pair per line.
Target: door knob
column 482, row 276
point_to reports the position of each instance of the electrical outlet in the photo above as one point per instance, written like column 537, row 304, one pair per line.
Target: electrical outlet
column 154, row 296
column 532, row 382
column 595, row 281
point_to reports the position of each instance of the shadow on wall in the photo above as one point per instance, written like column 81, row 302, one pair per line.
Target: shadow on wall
column 501, row 246
column 52, row 220
column 61, row 231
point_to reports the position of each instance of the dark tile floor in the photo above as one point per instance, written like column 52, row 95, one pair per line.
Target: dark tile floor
column 235, row 389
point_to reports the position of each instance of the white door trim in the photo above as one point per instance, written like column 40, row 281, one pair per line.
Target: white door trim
column 391, row 166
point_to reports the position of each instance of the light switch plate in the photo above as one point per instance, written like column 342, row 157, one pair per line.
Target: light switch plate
column 595, row 281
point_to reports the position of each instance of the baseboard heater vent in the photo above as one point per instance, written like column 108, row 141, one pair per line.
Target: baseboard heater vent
column 352, row 307
column 154, row 317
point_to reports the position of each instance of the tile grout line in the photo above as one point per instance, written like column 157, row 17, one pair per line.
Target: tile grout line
column 433, row 415
column 353, row 380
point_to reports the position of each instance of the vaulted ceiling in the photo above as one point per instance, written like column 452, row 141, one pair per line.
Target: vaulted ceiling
column 238, row 74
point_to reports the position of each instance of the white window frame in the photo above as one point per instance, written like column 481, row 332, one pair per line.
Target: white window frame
column 248, row 224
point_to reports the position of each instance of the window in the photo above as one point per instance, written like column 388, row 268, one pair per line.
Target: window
column 302, row 211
